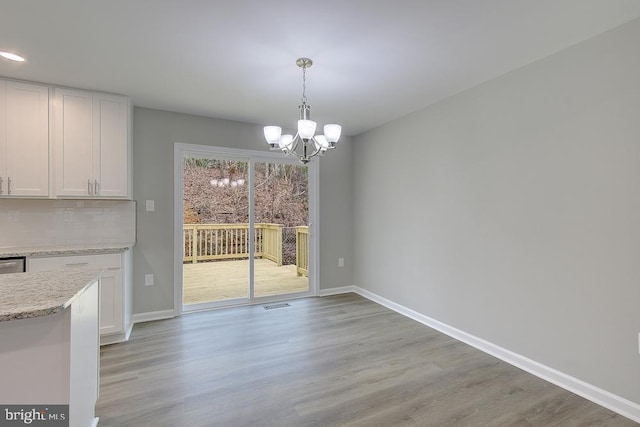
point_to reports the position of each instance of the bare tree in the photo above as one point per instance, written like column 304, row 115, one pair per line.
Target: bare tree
column 211, row 197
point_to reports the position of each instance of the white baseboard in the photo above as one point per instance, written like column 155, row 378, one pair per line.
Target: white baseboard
column 112, row 339
column 336, row 291
column 595, row 394
column 152, row 315
column 127, row 333
column 116, row 338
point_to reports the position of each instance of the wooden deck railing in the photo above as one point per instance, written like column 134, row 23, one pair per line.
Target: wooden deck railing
column 302, row 250
column 271, row 240
column 204, row 242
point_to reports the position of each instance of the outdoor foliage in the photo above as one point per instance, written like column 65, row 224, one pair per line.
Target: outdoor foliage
column 281, row 193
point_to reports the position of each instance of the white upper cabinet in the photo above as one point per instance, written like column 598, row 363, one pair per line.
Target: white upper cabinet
column 91, row 145
column 90, row 154
column 111, row 136
column 73, row 143
column 24, row 140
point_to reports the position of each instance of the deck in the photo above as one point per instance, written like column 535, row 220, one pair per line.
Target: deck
column 222, row 280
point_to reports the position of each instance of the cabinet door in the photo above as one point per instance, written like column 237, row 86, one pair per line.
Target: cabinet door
column 111, row 302
column 3, row 137
column 111, row 145
column 27, row 139
column 73, row 140
column 111, row 283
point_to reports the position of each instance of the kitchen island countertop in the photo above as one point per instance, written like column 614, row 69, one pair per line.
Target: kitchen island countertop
column 28, row 295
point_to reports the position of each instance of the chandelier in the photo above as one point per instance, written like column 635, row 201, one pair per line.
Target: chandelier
column 310, row 144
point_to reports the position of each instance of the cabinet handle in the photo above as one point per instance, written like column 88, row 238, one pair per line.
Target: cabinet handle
column 89, row 188
column 8, row 264
column 9, row 185
column 76, row 264
column 95, row 188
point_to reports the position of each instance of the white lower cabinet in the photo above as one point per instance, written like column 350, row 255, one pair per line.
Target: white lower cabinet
column 111, row 301
column 115, row 289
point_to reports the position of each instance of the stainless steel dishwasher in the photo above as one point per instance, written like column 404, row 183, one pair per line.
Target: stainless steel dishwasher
column 12, row 265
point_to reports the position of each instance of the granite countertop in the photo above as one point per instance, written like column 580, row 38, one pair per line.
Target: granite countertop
column 26, row 295
column 65, row 250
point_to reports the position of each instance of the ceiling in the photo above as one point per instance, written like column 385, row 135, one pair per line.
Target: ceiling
column 374, row 60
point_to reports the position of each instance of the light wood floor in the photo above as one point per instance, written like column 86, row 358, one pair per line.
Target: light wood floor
column 331, row 361
column 222, row 280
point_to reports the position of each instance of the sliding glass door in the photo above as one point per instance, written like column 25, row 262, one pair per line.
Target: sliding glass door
column 281, row 200
column 216, row 230
column 244, row 229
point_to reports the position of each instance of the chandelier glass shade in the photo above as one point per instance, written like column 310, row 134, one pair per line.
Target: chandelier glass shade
column 305, row 144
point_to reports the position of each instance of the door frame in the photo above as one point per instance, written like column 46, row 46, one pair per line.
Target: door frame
column 251, row 156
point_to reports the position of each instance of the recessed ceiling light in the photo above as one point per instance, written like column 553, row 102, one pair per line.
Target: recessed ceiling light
column 11, row 56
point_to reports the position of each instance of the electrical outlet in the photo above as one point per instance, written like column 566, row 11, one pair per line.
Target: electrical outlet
column 148, row 279
column 150, row 205
column 340, row 262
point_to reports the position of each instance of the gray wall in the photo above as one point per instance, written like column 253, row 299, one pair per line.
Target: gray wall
column 512, row 211
column 154, row 135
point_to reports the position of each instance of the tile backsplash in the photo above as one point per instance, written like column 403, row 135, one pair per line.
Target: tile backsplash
column 26, row 223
